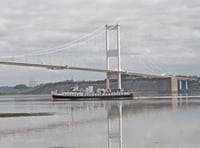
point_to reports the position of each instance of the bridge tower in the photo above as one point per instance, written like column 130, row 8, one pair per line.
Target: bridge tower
column 113, row 53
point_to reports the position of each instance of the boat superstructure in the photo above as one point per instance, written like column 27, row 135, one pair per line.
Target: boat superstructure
column 90, row 94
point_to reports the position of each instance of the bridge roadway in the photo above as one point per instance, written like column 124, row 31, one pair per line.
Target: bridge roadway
column 67, row 67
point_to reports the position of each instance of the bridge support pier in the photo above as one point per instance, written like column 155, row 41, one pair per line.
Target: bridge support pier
column 180, row 85
column 174, row 88
column 167, row 85
column 173, row 85
column 186, row 85
column 183, row 86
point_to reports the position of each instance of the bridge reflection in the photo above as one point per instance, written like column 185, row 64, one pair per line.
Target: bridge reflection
column 116, row 112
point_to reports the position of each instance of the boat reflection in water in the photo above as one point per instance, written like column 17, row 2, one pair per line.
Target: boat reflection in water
column 113, row 124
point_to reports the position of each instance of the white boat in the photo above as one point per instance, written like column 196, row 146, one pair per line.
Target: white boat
column 89, row 94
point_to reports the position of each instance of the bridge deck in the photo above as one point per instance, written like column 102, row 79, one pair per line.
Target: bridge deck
column 67, row 67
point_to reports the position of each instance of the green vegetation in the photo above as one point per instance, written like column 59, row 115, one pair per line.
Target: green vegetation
column 18, row 89
column 21, row 86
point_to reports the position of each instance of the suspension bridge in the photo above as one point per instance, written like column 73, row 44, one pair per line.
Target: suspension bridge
column 111, row 40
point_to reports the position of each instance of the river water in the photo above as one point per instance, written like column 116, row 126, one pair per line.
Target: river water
column 36, row 121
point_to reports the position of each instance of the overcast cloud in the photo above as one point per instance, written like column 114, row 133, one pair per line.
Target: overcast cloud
column 165, row 33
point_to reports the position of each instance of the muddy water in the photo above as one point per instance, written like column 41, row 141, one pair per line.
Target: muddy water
column 39, row 122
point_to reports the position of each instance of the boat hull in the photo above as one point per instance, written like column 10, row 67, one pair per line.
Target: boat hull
column 57, row 97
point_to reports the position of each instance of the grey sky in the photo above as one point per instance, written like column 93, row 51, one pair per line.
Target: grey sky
column 166, row 32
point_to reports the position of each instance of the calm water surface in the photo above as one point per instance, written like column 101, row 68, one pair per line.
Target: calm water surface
column 41, row 123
